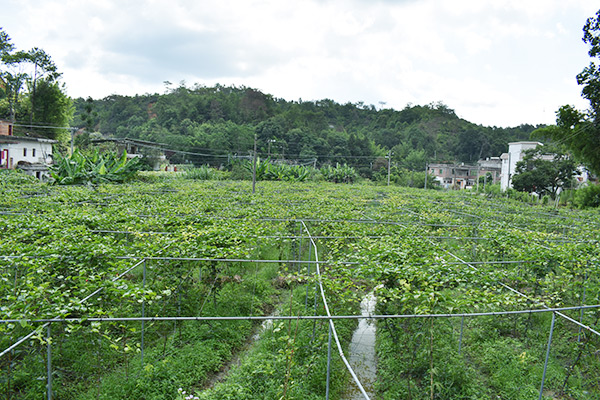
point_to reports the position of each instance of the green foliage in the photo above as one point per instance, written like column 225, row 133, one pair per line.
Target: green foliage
column 339, row 173
column 214, row 121
column 579, row 131
column 44, row 102
column 97, row 168
column 10, row 177
column 590, row 76
column 203, row 173
column 52, row 107
column 535, row 173
column 63, row 243
column 588, row 197
column 267, row 170
column 407, row 178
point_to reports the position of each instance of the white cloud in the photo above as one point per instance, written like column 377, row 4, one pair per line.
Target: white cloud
column 495, row 62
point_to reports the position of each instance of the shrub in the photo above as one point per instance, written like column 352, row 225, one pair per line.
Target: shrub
column 587, row 197
column 203, row 173
column 339, row 174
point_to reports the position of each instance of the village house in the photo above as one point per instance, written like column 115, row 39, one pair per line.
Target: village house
column 463, row 176
column 32, row 155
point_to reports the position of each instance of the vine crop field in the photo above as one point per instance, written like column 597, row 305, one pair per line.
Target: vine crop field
column 150, row 290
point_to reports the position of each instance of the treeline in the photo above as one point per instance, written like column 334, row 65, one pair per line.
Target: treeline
column 31, row 93
column 211, row 123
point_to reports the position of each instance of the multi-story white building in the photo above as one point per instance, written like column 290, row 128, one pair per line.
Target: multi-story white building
column 516, row 151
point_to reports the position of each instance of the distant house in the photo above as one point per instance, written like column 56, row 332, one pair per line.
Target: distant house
column 464, row 176
column 490, row 166
column 32, row 155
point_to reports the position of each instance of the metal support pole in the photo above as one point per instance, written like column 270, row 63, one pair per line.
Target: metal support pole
column 389, row 166
column 299, row 255
column 328, row 362
column 72, row 140
column 547, row 356
column 254, row 167
column 307, row 275
column 582, row 303
column 462, row 323
column 143, row 312
column 49, row 362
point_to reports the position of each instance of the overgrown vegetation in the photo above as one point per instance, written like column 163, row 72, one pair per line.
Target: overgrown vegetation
column 62, row 244
column 94, row 168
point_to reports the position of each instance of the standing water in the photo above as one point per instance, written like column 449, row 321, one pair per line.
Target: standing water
column 362, row 352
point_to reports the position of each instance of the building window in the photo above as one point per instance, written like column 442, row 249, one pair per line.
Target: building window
column 32, row 152
column 441, row 171
column 24, row 152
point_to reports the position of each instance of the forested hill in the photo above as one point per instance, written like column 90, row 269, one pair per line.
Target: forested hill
column 223, row 120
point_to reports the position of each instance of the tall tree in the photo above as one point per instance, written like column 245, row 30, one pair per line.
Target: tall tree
column 580, row 131
column 34, row 73
column 5, row 42
column 14, row 76
column 590, row 76
column 53, row 108
column 43, row 67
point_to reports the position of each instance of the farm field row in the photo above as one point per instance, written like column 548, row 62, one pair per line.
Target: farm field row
column 96, row 259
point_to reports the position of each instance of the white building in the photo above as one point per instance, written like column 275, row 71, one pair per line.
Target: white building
column 516, row 151
column 32, row 155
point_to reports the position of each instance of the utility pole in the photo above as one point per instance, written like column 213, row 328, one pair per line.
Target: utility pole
column 254, row 167
column 389, row 166
column 269, row 147
column 73, row 130
column 426, row 171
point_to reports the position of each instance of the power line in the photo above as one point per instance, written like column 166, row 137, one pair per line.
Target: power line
column 46, row 127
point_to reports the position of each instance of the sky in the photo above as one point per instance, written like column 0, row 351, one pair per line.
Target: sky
column 495, row 62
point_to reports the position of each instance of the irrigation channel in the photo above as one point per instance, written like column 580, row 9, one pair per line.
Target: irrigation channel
column 155, row 317
column 361, row 354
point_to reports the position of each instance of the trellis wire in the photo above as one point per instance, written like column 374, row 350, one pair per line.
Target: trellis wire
column 306, row 317
column 329, row 317
column 331, row 325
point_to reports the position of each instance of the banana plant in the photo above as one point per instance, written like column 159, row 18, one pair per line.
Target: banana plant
column 97, row 168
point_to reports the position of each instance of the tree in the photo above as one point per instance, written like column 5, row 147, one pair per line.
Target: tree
column 14, row 77
column 590, row 76
column 44, row 101
column 53, row 108
column 5, row 44
column 580, row 131
column 43, row 67
column 543, row 173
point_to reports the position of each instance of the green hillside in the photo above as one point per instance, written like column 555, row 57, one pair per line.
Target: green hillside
column 223, row 120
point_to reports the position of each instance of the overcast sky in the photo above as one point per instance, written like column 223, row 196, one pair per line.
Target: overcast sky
column 495, row 62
